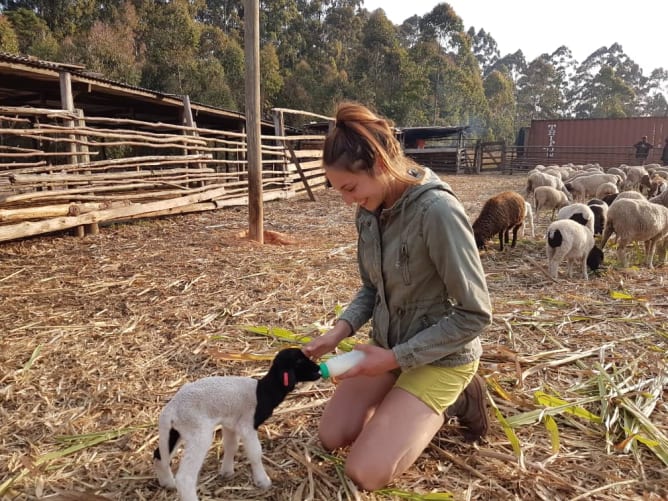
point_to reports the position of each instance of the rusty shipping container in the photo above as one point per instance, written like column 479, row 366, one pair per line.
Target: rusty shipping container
column 608, row 141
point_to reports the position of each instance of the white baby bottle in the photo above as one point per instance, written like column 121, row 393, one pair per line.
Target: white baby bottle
column 339, row 364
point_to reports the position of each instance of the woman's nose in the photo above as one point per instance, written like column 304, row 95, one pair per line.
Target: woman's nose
column 348, row 198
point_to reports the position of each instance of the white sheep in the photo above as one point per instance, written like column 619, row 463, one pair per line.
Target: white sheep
column 580, row 213
column 634, row 176
column 538, row 178
column 636, row 221
column 661, row 198
column 583, row 187
column 238, row 404
column 547, row 198
column 568, row 240
column 636, row 195
column 606, row 189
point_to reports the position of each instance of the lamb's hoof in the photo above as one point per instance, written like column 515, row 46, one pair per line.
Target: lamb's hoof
column 226, row 473
column 262, row 483
column 167, row 483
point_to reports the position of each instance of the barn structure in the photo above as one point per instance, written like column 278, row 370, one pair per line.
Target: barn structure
column 78, row 150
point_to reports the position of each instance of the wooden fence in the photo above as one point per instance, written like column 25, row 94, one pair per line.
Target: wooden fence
column 61, row 170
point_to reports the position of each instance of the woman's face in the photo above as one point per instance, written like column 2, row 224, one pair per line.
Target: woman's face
column 367, row 190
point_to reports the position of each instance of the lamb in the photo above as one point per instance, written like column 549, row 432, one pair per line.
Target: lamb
column 634, row 175
column 569, row 240
column 580, row 213
column 529, row 215
column 547, row 198
column 500, row 214
column 636, row 221
column 240, row 404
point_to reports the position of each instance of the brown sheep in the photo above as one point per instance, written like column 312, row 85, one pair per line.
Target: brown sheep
column 500, row 214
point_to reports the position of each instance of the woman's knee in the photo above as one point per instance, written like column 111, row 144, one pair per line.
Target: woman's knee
column 368, row 477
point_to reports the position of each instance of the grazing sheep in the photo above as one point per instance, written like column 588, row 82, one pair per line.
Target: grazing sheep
column 636, row 195
column 568, row 240
column 547, row 198
column 537, row 178
column 585, row 186
column 661, row 199
column 500, row 214
column 529, row 216
column 634, row 175
column 240, row 405
column 636, row 221
column 580, row 213
column 600, row 210
column 606, row 189
column 657, row 185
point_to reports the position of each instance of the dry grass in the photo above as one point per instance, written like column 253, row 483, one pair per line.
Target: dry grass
column 99, row 332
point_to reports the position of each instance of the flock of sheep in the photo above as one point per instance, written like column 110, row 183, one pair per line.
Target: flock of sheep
column 630, row 202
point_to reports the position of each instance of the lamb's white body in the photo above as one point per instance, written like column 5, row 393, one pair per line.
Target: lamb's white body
column 196, row 410
column 577, row 242
column 238, row 404
column 528, row 217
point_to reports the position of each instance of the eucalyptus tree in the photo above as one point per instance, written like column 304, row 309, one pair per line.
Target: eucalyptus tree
column 538, row 92
column 500, row 94
column 485, row 49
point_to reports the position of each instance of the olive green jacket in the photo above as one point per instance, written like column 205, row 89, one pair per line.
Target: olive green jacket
column 423, row 285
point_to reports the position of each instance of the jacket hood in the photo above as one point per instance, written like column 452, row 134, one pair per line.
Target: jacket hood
column 431, row 181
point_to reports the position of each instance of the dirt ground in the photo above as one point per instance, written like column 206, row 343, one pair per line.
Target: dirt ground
column 100, row 331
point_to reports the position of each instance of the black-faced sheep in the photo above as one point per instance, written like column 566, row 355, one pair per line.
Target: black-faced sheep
column 238, row 404
column 636, row 221
column 499, row 215
column 600, row 210
column 568, row 240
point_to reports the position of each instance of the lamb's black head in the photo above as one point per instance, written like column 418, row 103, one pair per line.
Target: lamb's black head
column 292, row 367
column 595, row 258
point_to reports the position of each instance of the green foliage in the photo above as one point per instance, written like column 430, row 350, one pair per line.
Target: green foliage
column 9, row 42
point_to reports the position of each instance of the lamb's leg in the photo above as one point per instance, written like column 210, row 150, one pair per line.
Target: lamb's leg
column 501, row 240
column 254, row 453
column 231, row 445
column 515, row 229
column 195, row 450
column 584, row 269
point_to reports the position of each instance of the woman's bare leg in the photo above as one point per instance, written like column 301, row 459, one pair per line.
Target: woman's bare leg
column 392, row 439
column 352, row 404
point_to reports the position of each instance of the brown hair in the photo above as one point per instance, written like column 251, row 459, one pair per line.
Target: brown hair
column 361, row 138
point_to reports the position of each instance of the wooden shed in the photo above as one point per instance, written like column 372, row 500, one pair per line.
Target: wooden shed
column 441, row 149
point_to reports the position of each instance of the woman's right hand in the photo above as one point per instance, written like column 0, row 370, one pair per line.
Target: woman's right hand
column 328, row 341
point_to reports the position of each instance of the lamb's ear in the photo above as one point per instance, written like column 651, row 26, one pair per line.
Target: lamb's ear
column 288, row 379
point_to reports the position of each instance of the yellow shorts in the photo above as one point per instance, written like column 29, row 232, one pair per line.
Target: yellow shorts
column 437, row 387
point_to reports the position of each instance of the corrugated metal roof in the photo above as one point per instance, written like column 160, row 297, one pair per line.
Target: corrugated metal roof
column 27, row 81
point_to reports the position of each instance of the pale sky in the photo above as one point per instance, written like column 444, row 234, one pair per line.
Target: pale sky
column 538, row 27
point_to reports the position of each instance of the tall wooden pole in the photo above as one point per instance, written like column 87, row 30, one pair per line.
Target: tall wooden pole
column 253, row 117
